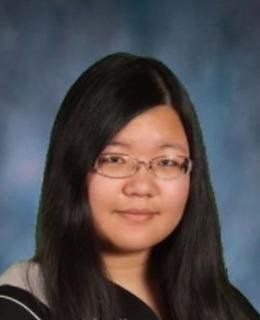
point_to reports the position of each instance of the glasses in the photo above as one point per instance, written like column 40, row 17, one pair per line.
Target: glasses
column 115, row 165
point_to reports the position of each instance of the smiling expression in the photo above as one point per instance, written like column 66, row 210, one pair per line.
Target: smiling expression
column 136, row 213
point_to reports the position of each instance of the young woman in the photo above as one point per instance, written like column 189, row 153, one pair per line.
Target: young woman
column 127, row 225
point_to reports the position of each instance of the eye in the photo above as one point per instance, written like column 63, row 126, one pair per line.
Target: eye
column 111, row 159
column 169, row 163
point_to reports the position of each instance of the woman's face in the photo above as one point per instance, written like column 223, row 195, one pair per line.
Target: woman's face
column 135, row 213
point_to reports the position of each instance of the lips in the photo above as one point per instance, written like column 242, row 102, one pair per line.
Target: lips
column 134, row 214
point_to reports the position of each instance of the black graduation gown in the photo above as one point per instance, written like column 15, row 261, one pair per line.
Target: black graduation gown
column 19, row 304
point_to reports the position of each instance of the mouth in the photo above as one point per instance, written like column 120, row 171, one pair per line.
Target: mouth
column 137, row 215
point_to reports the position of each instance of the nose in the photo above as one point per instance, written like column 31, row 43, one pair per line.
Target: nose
column 141, row 184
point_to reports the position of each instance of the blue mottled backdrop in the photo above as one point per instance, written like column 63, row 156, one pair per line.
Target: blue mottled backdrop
column 214, row 46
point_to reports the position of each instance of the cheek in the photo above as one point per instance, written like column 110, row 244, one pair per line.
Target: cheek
column 101, row 194
column 174, row 199
column 103, row 199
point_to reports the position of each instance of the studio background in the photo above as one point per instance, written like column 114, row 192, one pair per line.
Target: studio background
column 214, row 48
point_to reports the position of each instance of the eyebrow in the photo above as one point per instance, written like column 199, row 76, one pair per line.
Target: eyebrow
column 173, row 145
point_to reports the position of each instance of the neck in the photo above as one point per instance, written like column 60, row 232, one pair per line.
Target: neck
column 128, row 268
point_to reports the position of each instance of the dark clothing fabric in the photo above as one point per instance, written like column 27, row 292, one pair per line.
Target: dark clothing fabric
column 18, row 304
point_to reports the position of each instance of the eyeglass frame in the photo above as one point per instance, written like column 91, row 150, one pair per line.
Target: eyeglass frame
column 147, row 164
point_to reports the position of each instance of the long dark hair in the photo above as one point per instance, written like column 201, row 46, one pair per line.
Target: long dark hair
column 189, row 263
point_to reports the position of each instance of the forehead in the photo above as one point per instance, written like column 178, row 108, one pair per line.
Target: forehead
column 157, row 128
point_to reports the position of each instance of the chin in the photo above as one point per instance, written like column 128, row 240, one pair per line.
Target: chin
column 131, row 245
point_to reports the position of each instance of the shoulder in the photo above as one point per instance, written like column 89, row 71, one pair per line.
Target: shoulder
column 240, row 306
column 15, row 275
column 21, row 294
